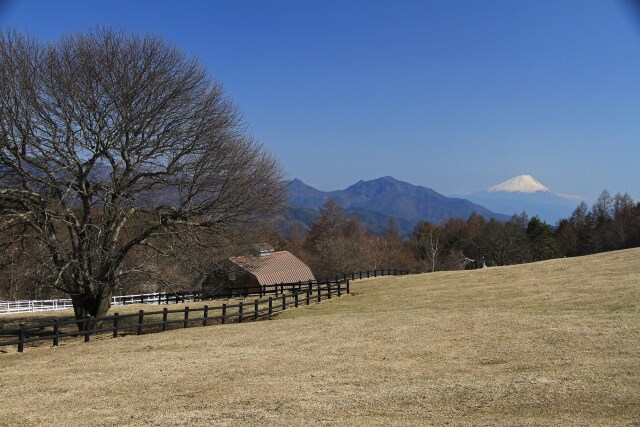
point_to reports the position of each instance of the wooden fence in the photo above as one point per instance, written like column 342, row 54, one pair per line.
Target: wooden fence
column 10, row 307
column 162, row 320
column 284, row 295
column 375, row 273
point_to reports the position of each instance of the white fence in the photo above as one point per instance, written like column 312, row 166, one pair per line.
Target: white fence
column 9, row 307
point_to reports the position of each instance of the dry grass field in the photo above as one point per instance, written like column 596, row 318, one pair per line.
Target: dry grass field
column 550, row 343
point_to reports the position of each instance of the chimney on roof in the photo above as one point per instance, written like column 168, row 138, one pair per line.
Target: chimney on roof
column 262, row 249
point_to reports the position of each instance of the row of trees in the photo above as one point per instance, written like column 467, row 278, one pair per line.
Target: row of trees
column 613, row 222
column 336, row 244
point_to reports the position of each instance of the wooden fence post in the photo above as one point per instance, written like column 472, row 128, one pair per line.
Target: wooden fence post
column 21, row 337
column 347, row 286
column 240, row 310
column 319, row 294
column 255, row 310
column 224, row 313
column 295, row 297
column 309, row 293
column 284, row 302
column 140, row 321
column 86, row 329
column 116, row 324
column 205, row 315
column 186, row 317
column 56, row 332
column 165, row 315
column 270, row 306
column 329, row 290
column 340, row 288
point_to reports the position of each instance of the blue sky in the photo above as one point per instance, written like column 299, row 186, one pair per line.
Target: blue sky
column 453, row 95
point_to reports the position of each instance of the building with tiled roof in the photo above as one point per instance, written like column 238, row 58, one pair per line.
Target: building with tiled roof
column 260, row 271
column 273, row 268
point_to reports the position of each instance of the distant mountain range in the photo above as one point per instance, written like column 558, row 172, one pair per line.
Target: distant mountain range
column 375, row 202
column 525, row 193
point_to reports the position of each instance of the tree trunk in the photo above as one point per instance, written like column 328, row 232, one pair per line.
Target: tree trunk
column 89, row 305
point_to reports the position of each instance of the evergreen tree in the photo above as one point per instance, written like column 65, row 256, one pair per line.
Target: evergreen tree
column 541, row 239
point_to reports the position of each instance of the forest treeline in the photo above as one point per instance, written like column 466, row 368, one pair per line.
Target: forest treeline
column 335, row 243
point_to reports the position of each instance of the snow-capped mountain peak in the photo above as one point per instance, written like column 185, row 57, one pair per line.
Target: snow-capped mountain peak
column 524, row 194
column 520, row 184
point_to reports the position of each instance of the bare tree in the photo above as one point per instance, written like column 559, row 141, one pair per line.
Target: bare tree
column 335, row 244
column 623, row 219
column 389, row 250
column 505, row 243
column 110, row 143
column 429, row 246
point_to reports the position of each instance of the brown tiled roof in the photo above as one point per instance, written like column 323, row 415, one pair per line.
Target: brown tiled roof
column 278, row 267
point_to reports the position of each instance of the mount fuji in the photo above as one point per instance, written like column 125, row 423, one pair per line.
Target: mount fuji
column 520, row 184
column 525, row 193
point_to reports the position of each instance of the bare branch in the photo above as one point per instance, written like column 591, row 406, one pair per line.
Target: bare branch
column 109, row 140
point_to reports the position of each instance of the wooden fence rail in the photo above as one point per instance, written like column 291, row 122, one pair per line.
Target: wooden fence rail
column 283, row 296
column 161, row 320
column 9, row 307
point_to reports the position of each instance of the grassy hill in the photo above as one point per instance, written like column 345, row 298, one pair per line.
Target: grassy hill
column 550, row 343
